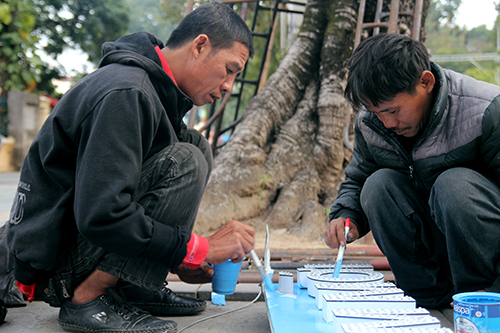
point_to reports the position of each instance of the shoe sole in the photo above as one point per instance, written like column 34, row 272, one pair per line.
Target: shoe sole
column 159, row 309
column 76, row 328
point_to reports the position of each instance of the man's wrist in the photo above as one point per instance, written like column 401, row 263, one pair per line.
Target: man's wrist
column 197, row 250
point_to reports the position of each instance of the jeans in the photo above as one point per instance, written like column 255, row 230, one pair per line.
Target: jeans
column 440, row 244
column 170, row 190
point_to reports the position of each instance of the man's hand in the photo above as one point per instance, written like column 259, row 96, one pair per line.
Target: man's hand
column 231, row 242
column 202, row 274
column 334, row 234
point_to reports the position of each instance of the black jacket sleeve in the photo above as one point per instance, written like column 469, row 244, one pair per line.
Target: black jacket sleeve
column 347, row 204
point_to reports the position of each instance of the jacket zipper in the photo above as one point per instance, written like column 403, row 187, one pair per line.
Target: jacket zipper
column 398, row 148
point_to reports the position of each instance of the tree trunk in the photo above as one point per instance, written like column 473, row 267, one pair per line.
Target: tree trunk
column 283, row 164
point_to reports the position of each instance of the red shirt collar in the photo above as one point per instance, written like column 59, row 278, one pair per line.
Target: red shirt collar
column 164, row 64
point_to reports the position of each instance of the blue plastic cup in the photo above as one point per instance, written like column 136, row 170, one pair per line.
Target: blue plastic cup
column 225, row 277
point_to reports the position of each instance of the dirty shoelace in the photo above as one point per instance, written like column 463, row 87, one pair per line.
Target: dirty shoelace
column 118, row 304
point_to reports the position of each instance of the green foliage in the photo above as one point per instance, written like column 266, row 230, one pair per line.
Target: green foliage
column 173, row 10
column 151, row 16
column 80, row 23
column 18, row 63
column 4, row 117
column 445, row 37
column 265, row 183
column 59, row 24
column 446, row 40
column 489, row 73
column 45, row 85
column 480, row 39
column 442, row 12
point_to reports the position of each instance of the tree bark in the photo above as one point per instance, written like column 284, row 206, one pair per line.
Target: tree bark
column 284, row 162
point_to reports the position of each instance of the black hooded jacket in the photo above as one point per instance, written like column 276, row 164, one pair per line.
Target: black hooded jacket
column 85, row 163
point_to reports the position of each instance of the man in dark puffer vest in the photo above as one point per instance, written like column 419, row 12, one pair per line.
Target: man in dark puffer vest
column 425, row 173
column 110, row 188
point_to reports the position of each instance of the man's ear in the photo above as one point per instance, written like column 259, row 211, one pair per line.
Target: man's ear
column 201, row 45
column 427, row 80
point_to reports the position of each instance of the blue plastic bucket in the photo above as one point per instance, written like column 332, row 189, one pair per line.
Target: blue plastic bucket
column 477, row 312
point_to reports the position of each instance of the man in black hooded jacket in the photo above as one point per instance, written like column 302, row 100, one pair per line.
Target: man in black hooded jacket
column 111, row 185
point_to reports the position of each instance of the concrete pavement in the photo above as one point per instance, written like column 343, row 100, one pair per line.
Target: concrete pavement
column 40, row 317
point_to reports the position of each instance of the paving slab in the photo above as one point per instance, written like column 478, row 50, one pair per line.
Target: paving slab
column 41, row 318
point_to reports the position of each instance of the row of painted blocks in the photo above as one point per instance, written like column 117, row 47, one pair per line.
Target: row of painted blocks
column 348, row 320
column 371, row 304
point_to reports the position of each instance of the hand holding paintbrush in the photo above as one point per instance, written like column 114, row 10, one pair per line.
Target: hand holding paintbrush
column 340, row 254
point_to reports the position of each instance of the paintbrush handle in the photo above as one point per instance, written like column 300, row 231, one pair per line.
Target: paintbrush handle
column 347, row 226
column 257, row 262
column 256, row 259
column 340, row 254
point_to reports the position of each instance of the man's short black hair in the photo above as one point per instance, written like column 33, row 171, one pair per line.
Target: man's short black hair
column 383, row 66
column 219, row 22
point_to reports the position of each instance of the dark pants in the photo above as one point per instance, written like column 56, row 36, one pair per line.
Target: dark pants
column 170, row 190
column 438, row 245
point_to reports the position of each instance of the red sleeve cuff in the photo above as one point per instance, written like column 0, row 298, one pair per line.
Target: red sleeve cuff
column 197, row 250
column 28, row 291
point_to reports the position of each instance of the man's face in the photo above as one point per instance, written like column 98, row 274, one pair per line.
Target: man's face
column 406, row 114
column 213, row 73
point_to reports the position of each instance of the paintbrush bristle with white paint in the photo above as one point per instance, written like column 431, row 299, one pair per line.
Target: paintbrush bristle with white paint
column 267, row 280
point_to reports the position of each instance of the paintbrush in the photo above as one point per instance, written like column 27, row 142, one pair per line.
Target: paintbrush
column 267, row 279
column 340, row 254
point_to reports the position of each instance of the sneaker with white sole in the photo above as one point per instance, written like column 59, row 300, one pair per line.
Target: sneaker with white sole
column 109, row 313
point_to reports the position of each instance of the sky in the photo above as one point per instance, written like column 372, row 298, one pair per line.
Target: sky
column 75, row 61
column 471, row 13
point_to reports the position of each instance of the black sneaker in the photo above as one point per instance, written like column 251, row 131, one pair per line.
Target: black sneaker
column 162, row 303
column 110, row 314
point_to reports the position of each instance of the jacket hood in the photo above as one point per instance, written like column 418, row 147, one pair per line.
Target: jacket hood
column 134, row 50
column 138, row 50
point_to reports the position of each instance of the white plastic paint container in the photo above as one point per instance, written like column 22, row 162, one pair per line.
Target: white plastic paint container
column 476, row 312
